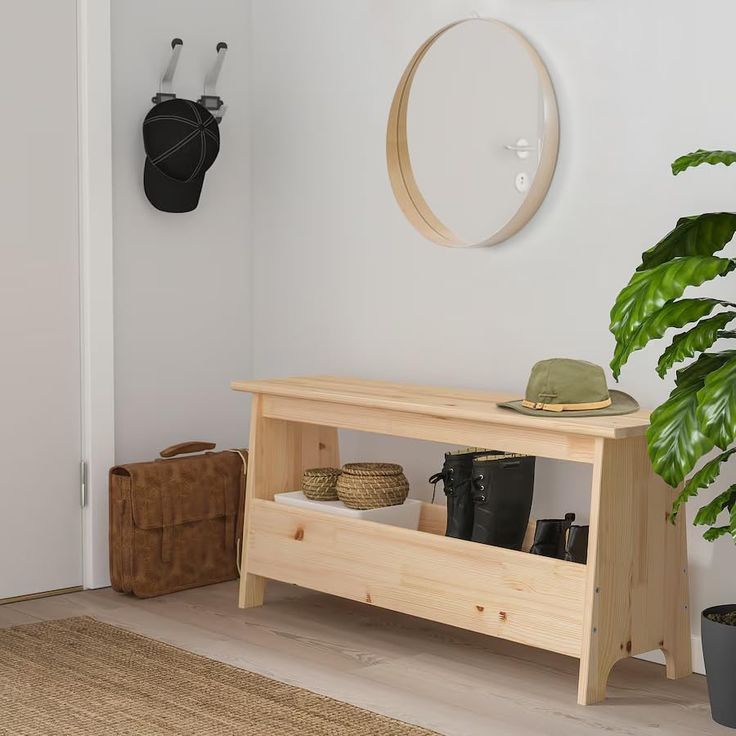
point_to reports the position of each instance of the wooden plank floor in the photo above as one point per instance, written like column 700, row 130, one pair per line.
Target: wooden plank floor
column 455, row 682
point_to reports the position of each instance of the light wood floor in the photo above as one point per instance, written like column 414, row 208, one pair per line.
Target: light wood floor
column 455, row 682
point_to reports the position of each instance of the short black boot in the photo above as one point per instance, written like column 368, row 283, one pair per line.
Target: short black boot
column 455, row 476
column 550, row 536
column 576, row 548
column 502, row 489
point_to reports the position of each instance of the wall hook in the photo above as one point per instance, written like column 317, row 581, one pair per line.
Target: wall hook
column 165, row 87
column 522, row 147
column 210, row 99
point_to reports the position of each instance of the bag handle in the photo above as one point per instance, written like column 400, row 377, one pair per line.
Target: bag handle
column 186, row 447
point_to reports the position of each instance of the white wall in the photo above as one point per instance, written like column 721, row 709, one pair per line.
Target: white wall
column 345, row 285
column 182, row 281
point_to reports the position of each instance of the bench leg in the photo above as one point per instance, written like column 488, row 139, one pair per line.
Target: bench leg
column 636, row 590
column 279, row 452
column 252, row 590
column 606, row 614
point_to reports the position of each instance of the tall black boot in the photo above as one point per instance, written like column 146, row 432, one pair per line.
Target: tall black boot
column 576, row 548
column 502, row 488
column 455, row 476
column 550, row 536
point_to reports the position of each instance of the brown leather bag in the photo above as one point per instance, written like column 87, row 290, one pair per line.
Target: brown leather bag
column 176, row 523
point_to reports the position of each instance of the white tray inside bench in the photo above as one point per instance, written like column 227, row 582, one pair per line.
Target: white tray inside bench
column 405, row 515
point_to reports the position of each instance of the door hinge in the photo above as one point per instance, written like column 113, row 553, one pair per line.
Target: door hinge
column 83, row 483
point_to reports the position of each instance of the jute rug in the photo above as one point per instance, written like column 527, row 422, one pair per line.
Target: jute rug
column 80, row 677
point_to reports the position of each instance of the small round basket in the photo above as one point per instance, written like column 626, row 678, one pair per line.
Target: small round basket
column 318, row 484
column 372, row 485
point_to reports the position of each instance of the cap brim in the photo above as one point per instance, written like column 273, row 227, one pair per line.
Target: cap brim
column 621, row 403
column 167, row 194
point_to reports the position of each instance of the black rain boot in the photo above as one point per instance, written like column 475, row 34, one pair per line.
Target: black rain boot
column 550, row 535
column 576, row 548
column 502, row 489
column 455, row 476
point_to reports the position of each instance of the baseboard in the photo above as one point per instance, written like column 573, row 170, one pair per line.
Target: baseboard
column 697, row 654
column 43, row 594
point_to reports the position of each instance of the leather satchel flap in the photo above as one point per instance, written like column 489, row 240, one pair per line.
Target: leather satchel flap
column 167, row 493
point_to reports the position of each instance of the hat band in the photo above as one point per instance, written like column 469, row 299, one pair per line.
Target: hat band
column 566, row 407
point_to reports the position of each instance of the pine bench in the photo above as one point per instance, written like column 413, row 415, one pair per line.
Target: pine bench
column 631, row 597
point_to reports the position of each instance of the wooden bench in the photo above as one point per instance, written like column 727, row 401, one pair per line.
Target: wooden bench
column 631, row 597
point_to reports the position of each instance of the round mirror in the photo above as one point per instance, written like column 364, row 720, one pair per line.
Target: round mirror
column 473, row 134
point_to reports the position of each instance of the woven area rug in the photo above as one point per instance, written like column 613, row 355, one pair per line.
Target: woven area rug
column 84, row 678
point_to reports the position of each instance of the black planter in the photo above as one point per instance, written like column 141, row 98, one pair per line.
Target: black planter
column 719, row 651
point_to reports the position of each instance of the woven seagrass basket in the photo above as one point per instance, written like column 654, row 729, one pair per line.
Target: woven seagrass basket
column 318, row 484
column 372, row 485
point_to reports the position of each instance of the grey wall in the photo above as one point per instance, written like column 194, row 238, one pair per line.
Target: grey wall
column 182, row 281
column 345, row 285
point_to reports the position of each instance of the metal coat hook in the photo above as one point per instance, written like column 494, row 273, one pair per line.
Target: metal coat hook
column 165, row 88
column 210, row 99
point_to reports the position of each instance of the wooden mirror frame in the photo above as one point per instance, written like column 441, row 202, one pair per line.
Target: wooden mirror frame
column 401, row 174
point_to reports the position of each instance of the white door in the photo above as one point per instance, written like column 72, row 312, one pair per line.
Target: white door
column 40, row 418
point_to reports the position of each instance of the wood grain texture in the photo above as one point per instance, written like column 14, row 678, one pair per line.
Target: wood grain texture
column 631, row 597
column 280, row 452
column 433, row 518
column 633, row 600
column 441, row 402
column 542, row 439
column 676, row 647
column 501, row 592
column 10, row 616
column 459, row 683
column 607, row 622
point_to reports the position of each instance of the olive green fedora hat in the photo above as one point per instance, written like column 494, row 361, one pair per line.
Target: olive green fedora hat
column 566, row 387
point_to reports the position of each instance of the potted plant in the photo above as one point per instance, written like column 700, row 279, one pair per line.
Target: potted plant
column 700, row 413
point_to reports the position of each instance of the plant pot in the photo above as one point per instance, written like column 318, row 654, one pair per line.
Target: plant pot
column 719, row 652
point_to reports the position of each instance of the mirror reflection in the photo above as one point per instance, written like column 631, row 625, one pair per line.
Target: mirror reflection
column 478, row 124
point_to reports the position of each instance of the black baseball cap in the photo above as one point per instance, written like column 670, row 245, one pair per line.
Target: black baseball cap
column 182, row 140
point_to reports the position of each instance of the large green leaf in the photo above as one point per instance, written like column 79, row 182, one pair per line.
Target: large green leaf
column 714, row 532
column 672, row 314
column 698, row 370
column 702, row 479
column 696, row 158
column 649, row 290
column 717, row 405
column 709, row 513
column 698, row 235
column 695, row 340
column 674, row 438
